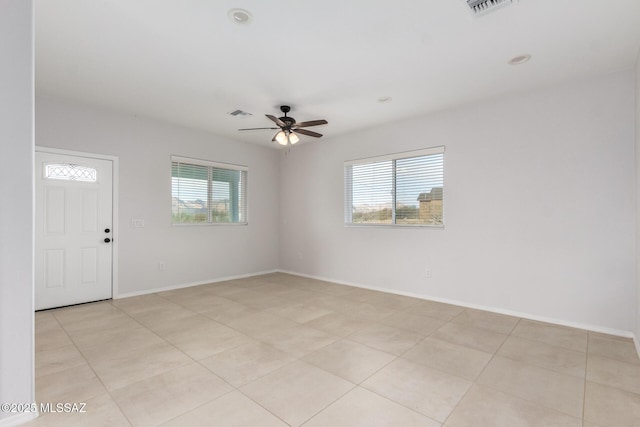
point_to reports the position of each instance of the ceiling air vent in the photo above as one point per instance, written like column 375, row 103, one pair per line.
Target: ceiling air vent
column 240, row 113
column 482, row 7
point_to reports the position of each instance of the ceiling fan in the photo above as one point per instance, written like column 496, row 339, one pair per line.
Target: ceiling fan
column 289, row 128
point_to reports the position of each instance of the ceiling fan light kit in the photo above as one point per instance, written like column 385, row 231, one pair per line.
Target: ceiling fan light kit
column 289, row 128
column 293, row 138
column 285, row 139
column 281, row 138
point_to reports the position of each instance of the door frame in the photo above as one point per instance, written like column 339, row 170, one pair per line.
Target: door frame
column 114, row 206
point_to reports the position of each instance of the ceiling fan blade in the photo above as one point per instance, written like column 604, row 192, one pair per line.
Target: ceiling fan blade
column 275, row 120
column 308, row 133
column 311, row 123
column 257, row 128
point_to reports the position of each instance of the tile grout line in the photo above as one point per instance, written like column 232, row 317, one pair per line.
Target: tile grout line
column 586, row 371
column 94, row 371
column 374, row 323
column 474, row 382
column 233, row 387
column 170, row 370
column 355, row 386
column 257, row 286
column 72, row 343
column 301, row 359
column 535, row 366
column 359, row 385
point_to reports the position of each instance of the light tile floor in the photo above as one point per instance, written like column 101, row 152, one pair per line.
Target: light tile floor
column 279, row 350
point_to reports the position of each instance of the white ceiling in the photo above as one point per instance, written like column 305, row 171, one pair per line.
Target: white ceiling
column 186, row 62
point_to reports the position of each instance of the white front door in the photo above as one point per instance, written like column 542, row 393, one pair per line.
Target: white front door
column 73, row 260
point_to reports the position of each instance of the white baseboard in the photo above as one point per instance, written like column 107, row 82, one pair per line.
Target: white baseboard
column 188, row 285
column 17, row 419
column 636, row 341
column 529, row 316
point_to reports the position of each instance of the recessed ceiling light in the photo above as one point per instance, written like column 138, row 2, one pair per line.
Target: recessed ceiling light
column 384, row 99
column 520, row 59
column 239, row 16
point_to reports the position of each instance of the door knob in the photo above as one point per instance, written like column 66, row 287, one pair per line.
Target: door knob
column 106, row 230
column 107, row 240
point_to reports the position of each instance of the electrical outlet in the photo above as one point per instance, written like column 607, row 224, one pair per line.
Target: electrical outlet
column 161, row 266
column 428, row 273
column 137, row 223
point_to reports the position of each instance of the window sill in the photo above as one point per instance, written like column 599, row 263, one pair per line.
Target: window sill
column 205, row 224
column 432, row 226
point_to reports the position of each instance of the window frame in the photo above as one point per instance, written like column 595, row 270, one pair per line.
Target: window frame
column 348, row 186
column 212, row 164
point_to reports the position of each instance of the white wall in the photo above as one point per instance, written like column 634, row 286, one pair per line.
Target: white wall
column 637, row 198
column 538, row 207
column 539, row 204
column 143, row 146
column 16, row 193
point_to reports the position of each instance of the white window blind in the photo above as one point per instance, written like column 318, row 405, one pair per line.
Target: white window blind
column 403, row 189
column 204, row 192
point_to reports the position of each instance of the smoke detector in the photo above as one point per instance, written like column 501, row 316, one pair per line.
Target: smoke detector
column 239, row 16
column 482, row 7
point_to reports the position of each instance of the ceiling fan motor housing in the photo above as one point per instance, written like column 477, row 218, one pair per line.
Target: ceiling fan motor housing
column 289, row 121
